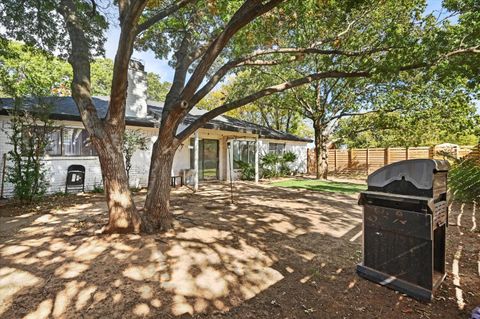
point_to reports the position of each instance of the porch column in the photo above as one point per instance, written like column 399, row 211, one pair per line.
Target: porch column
column 256, row 161
column 195, row 162
column 231, row 176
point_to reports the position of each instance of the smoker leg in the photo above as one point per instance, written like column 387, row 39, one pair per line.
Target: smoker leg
column 392, row 282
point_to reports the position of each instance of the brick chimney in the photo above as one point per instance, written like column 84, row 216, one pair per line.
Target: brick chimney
column 136, row 105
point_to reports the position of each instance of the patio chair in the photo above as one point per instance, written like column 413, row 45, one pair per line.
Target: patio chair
column 75, row 178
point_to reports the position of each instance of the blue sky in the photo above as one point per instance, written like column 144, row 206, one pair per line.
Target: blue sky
column 162, row 68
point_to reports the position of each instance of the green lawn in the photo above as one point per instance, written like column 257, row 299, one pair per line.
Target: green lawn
column 325, row 186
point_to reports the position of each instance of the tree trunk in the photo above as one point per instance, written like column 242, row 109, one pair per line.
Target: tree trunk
column 157, row 216
column 321, row 153
column 123, row 216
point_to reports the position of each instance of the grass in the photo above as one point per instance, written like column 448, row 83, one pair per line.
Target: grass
column 324, row 186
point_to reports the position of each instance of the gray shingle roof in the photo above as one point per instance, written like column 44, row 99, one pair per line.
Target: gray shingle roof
column 64, row 108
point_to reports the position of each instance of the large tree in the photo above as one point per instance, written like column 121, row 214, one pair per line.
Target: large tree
column 430, row 112
column 419, row 86
column 209, row 39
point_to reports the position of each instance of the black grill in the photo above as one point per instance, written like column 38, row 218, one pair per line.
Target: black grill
column 405, row 214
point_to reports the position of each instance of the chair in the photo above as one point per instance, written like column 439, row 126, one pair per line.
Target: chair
column 75, row 178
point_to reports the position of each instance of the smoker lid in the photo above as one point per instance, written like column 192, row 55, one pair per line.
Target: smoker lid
column 417, row 171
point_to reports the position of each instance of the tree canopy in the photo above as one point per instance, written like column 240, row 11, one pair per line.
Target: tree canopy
column 27, row 70
column 431, row 112
column 276, row 112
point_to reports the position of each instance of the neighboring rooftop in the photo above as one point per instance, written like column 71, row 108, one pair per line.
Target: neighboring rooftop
column 64, row 108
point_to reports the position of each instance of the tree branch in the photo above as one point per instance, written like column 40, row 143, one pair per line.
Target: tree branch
column 116, row 109
column 262, row 93
column 162, row 14
column 249, row 61
column 248, row 11
column 79, row 59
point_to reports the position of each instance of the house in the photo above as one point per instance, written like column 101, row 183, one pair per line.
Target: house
column 220, row 142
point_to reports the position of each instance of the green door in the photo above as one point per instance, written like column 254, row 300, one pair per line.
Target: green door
column 209, row 159
column 208, row 151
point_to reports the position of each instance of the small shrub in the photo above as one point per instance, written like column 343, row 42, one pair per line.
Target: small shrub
column 269, row 164
column 285, row 160
column 97, row 189
column 276, row 165
column 247, row 170
column 29, row 135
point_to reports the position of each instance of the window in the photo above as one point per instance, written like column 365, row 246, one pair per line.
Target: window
column 277, row 148
column 54, row 146
column 40, row 133
column 243, row 151
column 77, row 142
column 68, row 142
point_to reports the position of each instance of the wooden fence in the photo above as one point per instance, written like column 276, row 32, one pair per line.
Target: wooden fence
column 367, row 160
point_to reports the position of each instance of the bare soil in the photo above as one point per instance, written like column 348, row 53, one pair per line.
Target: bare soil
column 273, row 253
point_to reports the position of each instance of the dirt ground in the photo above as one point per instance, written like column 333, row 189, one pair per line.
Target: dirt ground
column 274, row 253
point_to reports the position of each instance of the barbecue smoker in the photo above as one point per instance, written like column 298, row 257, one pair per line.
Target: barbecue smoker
column 405, row 215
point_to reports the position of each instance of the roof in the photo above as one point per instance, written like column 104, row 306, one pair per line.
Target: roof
column 64, row 108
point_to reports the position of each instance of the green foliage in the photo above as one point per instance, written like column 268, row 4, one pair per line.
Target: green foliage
column 27, row 71
column 28, row 134
column 464, row 180
column 286, row 159
column 97, row 189
column 102, row 73
column 247, row 170
column 430, row 111
column 276, row 112
column 276, row 165
column 40, row 24
column 133, row 140
column 269, row 164
column 157, row 90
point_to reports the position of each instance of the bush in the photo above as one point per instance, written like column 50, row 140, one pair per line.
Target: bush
column 269, row 165
column 247, row 170
column 464, row 180
column 29, row 135
column 285, row 160
column 97, row 189
column 275, row 165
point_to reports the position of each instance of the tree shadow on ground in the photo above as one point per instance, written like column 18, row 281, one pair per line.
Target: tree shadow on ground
column 272, row 253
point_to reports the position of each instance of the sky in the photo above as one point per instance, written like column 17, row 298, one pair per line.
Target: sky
column 162, row 68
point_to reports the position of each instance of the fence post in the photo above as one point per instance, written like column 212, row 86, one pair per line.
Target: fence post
column 335, row 160
column 387, row 156
column 406, row 153
column 367, row 159
column 350, row 156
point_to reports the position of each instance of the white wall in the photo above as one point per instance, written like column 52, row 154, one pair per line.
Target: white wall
column 57, row 165
column 299, row 148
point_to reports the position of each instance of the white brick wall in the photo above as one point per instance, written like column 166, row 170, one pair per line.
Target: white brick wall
column 57, row 165
column 299, row 148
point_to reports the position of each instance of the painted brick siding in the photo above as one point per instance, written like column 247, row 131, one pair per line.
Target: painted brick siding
column 57, row 166
column 299, row 148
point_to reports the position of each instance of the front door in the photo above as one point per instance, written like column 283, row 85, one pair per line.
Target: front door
column 208, row 159
column 208, row 152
